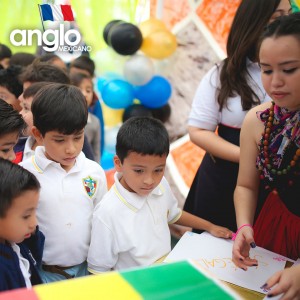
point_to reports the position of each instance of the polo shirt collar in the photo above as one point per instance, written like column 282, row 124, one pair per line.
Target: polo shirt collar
column 41, row 162
column 132, row 200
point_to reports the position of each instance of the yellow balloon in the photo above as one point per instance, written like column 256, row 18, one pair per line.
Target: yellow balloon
column 149, row 26
column 297, row 3
column 159, row 44
column 112, row 117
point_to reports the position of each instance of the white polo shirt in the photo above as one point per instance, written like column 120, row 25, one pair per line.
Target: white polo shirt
column 66, row 204
column 129, row 230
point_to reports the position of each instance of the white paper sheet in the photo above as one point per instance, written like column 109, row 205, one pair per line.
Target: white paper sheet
column 214, row 255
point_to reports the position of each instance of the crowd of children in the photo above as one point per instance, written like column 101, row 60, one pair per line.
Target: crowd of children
column 57, row 218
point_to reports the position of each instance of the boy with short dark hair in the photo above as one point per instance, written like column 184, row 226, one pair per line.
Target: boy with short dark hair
column 21, row 243
column 71, row 184
column 130, row 225
column 11, row 126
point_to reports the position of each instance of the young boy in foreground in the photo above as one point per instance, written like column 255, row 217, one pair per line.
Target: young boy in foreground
column 130, row 225
column 21, row 243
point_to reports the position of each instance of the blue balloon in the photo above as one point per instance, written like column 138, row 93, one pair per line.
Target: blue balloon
column 107, row 160
column 155, row 93
column 117, row 94
column 105, row 78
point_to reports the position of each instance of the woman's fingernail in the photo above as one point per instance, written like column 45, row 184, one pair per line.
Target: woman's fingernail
column 241, row 259
column 270, row 296
column 253, row 245
column 255, row 265
column 243, row 269
column 263, row 286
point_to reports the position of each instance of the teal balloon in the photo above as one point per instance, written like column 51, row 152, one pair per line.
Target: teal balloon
column 117, row 94
column 105, row 78
column 156, row 93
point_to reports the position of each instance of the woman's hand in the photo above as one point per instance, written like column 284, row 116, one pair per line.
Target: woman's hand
column 241, row 249
column 287, row 283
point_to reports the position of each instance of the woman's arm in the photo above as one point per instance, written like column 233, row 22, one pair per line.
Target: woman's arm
column 245, row 195
column 214, row 144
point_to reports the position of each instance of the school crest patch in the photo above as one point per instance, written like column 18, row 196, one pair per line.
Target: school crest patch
column 90, row 186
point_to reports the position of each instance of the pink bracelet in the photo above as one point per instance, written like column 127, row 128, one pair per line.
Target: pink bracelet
column 234, row 235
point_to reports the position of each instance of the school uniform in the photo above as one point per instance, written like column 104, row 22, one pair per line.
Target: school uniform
column 130, row 230
column 19, row 263
column 66, row 204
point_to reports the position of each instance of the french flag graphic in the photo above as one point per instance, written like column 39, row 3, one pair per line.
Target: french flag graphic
column 52, row 12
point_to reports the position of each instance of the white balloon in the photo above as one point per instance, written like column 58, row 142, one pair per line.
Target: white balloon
column 110, row 138
column 139, row 69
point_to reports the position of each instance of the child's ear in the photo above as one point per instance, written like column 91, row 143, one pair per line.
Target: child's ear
column 117, row 163
column 37, row 135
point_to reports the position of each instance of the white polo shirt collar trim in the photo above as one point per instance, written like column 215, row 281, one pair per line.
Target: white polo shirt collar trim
column 132, row 200
column 41, row 162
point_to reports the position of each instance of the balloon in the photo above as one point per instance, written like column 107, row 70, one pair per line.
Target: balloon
column 155, row 93
column 117, row 94
column 159, row 44
column 112, row 117
column 125, row 38
column 111, row 138
column 107, row 160
column 138, row 69
column 107, row 60
column 105, row 78
column 107, row 28
column 136, row 110
column 162, row 113
column 149, row 26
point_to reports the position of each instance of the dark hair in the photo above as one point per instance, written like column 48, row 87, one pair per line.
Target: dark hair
column 34, row 88
column 48, row 57
column 22, row 59
column 136, row 110
column 9, row 78
column 59, row 107
column 250, row 19
column 39, row 71
column 10, row 119
column 5, row 52
column 143, row 135
column 14, row 180
column 77, row 78
column 283, row 26
column 85, row 63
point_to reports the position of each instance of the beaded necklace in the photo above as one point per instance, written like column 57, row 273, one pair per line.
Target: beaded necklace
column 281, row 132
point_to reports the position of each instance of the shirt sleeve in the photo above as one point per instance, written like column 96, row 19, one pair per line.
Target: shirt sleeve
column 174, row 211
column 205, row 108
column 102, row 255
column 102, row 188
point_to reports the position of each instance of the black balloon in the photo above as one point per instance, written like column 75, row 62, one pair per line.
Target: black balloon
column 107, row 28
column 136, row 110
column 162, row 113
column 125, row 38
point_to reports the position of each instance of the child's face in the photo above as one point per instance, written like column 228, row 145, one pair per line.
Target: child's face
column 280, row 68
column 141, row 173
column 27, row 114
column 10, row 98
column 61, row 148
column 20, row 219
column 7, row 143
column 86, row 87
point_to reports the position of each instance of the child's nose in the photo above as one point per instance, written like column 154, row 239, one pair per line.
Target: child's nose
column 70, row 148
column 148, row 180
